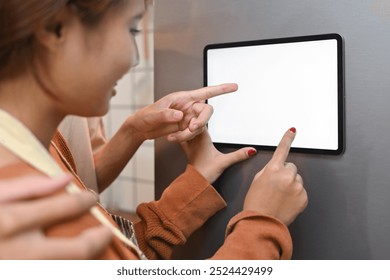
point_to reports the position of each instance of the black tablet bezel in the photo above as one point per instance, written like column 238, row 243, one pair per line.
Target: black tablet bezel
column 340, row 74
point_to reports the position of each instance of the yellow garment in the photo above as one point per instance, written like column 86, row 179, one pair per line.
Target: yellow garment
column 183, row 208
column 22, row 142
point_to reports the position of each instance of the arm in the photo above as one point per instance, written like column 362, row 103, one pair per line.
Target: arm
column 273, row 201
column 186, row 204
column 184, row 207
column 268, row 238
column 180, row 116
column 112, row 157
column 23, row 220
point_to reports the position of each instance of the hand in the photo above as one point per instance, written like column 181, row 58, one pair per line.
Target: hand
column 278, row 190
column 180, row 115
column 22, row 221
column 210, row 162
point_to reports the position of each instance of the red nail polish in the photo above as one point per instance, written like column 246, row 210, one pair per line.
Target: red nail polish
column 252, row 152
column 293, row 130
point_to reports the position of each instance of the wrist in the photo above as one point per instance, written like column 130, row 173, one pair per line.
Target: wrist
column 131, row 130
column 207, row 173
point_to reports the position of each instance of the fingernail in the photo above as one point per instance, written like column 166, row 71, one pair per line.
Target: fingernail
column 252, row 152
column 177, row 115
column 293, row 130
column 171, row 138
column 195, row 126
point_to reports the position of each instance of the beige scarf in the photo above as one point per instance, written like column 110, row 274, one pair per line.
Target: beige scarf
column 22, row 142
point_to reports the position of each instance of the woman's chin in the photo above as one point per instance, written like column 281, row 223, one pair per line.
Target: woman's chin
column 96, row 111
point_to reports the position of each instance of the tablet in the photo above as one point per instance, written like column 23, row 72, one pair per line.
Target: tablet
column 282, row 83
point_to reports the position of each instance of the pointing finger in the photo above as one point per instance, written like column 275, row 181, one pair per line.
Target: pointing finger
column 212, row 91
column 292, row 167
column 281, row 152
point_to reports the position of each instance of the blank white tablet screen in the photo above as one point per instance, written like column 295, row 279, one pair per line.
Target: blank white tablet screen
column 280, row 86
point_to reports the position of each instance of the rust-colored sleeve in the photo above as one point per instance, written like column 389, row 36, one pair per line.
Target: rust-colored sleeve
column 184, row 207
column 251, row 236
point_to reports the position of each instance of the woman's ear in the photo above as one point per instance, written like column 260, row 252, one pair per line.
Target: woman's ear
column 53, row 33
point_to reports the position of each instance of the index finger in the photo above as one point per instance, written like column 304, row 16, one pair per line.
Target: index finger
column 281, row 152
column 212, row 91
column 30, row 187
column 21, row 216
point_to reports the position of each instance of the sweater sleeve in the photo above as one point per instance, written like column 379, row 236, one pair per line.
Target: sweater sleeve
column 250, row 235
column 183, row 208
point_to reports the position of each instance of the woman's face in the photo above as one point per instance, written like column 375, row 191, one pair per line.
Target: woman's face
column 82, row 74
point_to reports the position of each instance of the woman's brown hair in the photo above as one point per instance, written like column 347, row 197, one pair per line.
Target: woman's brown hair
column 19, row 19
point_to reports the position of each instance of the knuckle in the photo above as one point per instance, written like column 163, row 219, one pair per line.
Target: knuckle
column 80, row 202
column 7, row 223
column 303, row 202
column 288, row 176
column 293, row 165
column 211, row 108
column 273, row 168
column 302, row 195
column 165, row 115
column 208, row 93
column 305, row 196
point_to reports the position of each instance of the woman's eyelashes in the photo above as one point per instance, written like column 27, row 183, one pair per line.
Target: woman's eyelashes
column 134, row 31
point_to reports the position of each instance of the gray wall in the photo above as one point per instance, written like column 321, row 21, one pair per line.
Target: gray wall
column 348, row 212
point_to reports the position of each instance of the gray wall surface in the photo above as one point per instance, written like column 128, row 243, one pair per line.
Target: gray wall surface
column 349, row 209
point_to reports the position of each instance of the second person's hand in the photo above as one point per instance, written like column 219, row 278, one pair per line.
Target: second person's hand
column 277, row 190
column 210, row 162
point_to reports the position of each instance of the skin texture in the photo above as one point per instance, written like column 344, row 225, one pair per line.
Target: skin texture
column 208, row 160
column 276, row 191
column 23, row 219
column 180, row 116
column 74, row 71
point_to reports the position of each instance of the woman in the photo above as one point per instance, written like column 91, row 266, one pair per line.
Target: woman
column 59, row 58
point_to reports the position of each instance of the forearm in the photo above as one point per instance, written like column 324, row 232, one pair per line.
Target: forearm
column 183, row 208
column 252, row 236
column 112, row 157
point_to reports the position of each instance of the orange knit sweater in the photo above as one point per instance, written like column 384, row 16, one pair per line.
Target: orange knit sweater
column 184, row 207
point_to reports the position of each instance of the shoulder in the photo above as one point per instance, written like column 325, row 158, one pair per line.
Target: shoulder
column 11, row 166
column 7, row 158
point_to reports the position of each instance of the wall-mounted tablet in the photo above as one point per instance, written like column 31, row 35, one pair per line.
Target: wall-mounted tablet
column 288, row 82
